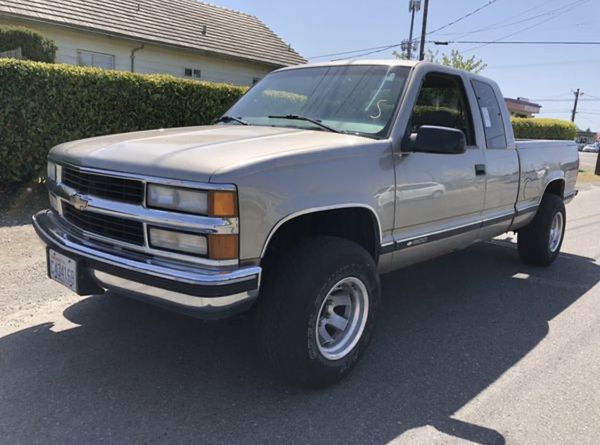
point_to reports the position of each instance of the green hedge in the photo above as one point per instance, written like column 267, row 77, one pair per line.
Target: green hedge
column 543, row 128
column 34, row 46
column 47, row 104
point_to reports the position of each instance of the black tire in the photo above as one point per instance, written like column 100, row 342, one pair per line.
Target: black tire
column 293, row 294
column 534, row 240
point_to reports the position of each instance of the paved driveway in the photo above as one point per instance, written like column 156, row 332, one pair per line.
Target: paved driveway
column 470, row 348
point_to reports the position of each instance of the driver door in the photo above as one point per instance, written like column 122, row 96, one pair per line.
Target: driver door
column 439, row 197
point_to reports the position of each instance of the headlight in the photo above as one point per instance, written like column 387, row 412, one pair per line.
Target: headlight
column 178, row 241
column 178, row 199
column 51, row 171
column 215, row 203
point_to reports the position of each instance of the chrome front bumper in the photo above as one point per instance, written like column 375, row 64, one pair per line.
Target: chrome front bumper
column 200, row 291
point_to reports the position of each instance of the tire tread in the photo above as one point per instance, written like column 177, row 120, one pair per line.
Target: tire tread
column 533, row 239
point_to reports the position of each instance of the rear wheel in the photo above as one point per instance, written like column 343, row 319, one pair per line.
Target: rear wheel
column 316, row 311
column 540, row 242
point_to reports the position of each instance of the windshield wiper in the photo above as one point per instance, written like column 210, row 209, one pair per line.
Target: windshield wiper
column 228, row 118
column 296, row 117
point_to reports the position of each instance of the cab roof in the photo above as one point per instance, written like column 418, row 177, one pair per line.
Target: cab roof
column 383, row 62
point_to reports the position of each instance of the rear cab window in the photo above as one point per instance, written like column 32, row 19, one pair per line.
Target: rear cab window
column 491, row 115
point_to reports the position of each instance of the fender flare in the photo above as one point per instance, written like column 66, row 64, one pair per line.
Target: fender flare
column 312, row 210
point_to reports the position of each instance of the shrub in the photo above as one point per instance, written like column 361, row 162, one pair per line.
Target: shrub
column 285, row 97
column 34, row 46
column 543, row 128
column 47, row 104
column 424, row 113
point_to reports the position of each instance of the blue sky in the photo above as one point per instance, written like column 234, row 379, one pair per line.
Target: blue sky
column 316, row 27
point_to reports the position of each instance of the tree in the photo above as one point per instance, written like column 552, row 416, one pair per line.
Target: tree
column 457, row 60
column 34, row 46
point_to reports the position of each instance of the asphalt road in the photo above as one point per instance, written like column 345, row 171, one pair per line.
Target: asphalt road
column 473, row 347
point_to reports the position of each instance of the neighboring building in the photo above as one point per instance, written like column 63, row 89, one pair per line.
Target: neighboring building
column 181, row 37
column 586, row 137
column 521, row 107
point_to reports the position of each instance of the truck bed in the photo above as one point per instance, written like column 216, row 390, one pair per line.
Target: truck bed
column 543, row 161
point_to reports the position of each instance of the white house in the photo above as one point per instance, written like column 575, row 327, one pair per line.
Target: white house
column 185, row 38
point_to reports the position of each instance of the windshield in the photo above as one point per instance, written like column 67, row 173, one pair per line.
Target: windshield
column 356, row 99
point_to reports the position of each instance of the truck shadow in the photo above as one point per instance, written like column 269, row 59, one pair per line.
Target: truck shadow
column 133, row 373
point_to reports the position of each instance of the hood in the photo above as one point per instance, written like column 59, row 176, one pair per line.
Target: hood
column 194, row 153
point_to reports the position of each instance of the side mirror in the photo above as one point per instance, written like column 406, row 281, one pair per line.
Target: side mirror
column 441, row 140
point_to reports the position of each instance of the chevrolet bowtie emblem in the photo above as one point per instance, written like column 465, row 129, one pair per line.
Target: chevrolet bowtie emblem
column 78, row 201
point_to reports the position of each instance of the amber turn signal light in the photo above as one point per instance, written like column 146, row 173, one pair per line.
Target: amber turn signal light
column 223, row 247
column 222, row 204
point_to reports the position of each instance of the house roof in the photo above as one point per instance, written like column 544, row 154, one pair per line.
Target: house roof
column 172, row 22
column 522, row 101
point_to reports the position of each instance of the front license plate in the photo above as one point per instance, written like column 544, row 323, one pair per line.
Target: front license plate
column 62, row 269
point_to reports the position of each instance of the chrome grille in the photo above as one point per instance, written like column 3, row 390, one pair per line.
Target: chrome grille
column 121, row 229
column 109, row 187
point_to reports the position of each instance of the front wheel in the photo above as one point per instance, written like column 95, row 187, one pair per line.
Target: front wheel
column 540, row 242
column 317, row 309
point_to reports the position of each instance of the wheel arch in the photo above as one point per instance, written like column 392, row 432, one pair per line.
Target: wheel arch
column 366, row 214
column 556, row 187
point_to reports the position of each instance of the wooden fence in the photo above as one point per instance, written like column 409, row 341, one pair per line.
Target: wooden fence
column 12, row 54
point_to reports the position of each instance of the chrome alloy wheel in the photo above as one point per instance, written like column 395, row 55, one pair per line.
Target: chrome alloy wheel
column 556, row 231
column 342, row 318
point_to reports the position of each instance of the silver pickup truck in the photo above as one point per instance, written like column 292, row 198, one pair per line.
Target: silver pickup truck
column 314, row 183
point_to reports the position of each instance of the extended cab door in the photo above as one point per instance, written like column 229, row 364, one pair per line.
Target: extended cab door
column 439, row 197
column 501, row 160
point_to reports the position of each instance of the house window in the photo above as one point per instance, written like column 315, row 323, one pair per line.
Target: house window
column 98, row 60
column 193, row 73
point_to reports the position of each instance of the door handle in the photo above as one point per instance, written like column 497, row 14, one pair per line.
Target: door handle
column 480, row 169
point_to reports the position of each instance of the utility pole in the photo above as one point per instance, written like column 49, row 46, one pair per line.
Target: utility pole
column 577, row 94
column 424, row 30
column 413, row 7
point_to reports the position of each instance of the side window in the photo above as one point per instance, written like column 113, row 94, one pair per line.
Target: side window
column 491, row 115
column 193, row 73
column 443, row 102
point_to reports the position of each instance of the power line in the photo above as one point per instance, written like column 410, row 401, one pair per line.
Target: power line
column 565, row 100
column 516, row 42
column 469, row 14
column 526, row 65
column 500, row 22
column 558, row 95
column 503, row 23
column 378, row 49
column 589, row 121
column 373, row 52
column 553, row 15
column 383, row 48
